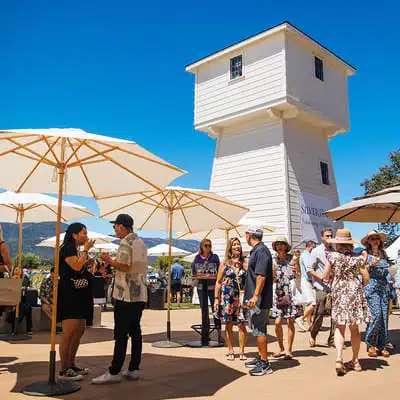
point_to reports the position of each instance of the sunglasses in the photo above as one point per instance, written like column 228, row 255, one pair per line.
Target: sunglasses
column 375, row 238
column 207, row 245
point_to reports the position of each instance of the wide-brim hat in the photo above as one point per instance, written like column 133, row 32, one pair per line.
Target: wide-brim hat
column 281, row 239
column 343, row 236
column 364, row 240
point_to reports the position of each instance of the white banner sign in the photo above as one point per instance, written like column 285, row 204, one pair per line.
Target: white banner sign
column 313, row 220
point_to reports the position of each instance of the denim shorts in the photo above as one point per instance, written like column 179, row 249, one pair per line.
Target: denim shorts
column 258, row 322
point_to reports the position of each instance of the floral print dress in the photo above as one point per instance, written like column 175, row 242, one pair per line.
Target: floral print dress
column 230, row 309
column 377, row 293
column 349, row 305
column 285, row 275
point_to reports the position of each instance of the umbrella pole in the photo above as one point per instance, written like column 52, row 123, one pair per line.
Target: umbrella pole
column 169, row 274
column 19, row 264
column 168, row 343
column 52, row 367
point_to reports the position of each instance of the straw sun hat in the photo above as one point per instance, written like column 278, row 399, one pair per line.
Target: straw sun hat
column 281, row 239
column 364, row 240
column 342, row 236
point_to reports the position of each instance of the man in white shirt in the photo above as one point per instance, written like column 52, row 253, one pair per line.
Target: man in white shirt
column 130, row 294
column 315, row 270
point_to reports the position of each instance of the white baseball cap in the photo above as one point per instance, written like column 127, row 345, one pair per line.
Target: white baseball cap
column 255, row 229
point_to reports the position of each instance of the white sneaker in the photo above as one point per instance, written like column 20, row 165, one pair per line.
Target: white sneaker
column 131, row 375
column 107, row 378
column 300, row 324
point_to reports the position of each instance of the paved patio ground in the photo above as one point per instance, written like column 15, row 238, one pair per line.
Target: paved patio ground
column 186, row 373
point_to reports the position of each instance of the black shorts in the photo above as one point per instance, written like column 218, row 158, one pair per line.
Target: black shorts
column 175, row 286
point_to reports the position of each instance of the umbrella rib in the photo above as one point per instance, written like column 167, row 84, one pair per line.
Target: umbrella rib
column 349, row 213
column 35, row 167
column 27, row 149
column 204, row 196
column 393, row 213
column 83, row 160
column 165, row 194
column 183, row 214
column 146, row 197
column 51, row 149
column 32, row 158
column 164, row 164
column 213, row 212
column 122, row 166
column 19, row 146
column 152, row 193
column 74, row 154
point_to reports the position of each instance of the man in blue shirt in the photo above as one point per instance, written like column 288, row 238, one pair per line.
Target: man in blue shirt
column 307, row 291
column 177, row 273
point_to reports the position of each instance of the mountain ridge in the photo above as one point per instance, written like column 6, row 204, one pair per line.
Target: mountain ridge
column 34, row 233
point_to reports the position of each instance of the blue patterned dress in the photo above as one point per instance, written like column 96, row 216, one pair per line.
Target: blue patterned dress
column 377, row 293
column 230, row 309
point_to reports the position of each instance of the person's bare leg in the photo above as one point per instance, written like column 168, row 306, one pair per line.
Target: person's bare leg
column 229, row 336
column 262, row 347
column 178, row 298
column 355, row 341
column 291, row 333
column 68, row 327
column 242, row 337
column 279, row 335
column 308, row 312
column 339, row 341
column 76, row 339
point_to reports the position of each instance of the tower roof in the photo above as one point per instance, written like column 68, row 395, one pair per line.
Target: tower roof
column 285, row 26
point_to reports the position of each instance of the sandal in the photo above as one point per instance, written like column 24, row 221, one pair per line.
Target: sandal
column 385, row 353
column 288, row 357
column 354, row 365
column 312, row 342
column 340, row 368
column 230, row 356
column 278, row 354
column 390, row 346
column 372, row 352
column 242, row 357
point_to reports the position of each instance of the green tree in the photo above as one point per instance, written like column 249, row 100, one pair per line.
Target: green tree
column 388, row 175
column 29, row 260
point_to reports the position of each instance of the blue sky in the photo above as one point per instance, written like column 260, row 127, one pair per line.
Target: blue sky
column 118, row 68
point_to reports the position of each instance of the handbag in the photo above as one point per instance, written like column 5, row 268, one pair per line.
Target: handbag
column 80, row 283
column 282, row 299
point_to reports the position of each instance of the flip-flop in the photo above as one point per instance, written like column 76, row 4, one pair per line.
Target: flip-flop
column 278, row 355
column 312, row 342
column 288, row 357
column 242, row 357
column 230, row 356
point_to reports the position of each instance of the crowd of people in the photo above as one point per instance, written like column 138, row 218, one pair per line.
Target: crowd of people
column 299, row 289
column 330, row 276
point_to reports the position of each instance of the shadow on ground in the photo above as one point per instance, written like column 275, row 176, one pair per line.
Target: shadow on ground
column 187, row 336
column 162, row 377
column 92, row 335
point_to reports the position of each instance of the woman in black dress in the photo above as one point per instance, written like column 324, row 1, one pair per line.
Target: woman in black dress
column 75, row 303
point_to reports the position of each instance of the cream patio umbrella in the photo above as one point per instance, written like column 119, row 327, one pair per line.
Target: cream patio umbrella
column 164, row 250
column 178, row 209
column 33, row 207
column 380, row 207
column 74, row 162
column 228, row 231
column 101, row 238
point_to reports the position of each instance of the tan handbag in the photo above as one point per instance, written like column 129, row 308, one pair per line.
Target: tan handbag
column 10, row 292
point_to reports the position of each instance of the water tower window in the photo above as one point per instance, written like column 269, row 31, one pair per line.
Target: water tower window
column 319, row 68
column 324, row 172
column 236, row 67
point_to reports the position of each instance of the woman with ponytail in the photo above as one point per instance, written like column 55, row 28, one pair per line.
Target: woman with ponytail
column 75, row 302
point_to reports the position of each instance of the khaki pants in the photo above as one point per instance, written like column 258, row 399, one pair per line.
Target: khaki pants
column 322, row 303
